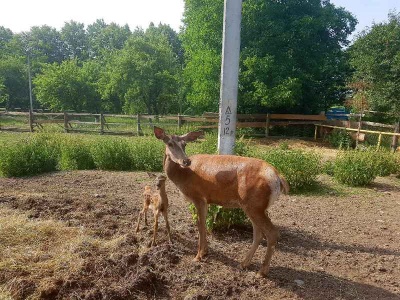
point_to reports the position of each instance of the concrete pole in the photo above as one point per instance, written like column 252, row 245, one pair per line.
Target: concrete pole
column 229, row 76
column 30, row 85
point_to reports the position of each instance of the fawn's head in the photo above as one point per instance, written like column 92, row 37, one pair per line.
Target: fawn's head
column 159, row 180
column 175, row 145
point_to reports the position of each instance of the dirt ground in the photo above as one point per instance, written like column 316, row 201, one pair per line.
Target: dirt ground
column 336, row 243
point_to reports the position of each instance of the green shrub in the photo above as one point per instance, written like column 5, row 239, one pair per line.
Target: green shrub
column 210, row 146
column 299, row 167
column 76, row 155
column 112, row 154
column 219, row 217
column 147, row 154
column 340, row 139
column 355, row 168
column 34, row 155
column 329, row 167
column 385, row 162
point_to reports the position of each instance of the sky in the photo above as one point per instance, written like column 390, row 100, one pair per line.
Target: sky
column 21, row 15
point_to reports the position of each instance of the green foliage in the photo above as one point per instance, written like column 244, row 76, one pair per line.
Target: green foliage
column 143, row 75
column 375, row 57
column 299, row 167
column 340, row 139
column 112, row 154
column 385, row 162
column 355, row 168
column 35, row 155
column 68, row 86
column 291, row 54
column 221, row 218
column 75, row 154
column 147, row 154
column 328, row 167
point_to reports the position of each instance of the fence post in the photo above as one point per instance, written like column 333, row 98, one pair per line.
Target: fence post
column 65, row 122
column 101, row 123
column 179, row 121
column 31, row 120
column 379, row 141
column 315, row 132
column 139, row 129
column 267, row 125
column 395, row 139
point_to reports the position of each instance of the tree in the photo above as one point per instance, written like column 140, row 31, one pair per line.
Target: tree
column 14, row 90
column 104, row 38
column 375, row 57
column 291, row 54
column 142, row 77
column 67, row 86
column 44, row 44
column 73, row 34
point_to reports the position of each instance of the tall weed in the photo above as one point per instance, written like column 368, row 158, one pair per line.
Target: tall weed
column 355, row 168
column 37, row 154
column 112, row 154
column 75, row 154
column 299, row 167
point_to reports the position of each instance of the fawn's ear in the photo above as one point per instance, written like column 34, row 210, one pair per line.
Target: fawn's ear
column 151, row 175
column 192, row 136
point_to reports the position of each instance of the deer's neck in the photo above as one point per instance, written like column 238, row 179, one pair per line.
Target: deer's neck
column 175, row 172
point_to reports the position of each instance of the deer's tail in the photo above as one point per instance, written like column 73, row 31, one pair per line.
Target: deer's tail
column 284, row 184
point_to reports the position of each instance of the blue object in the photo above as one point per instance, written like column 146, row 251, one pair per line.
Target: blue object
column 337, row 113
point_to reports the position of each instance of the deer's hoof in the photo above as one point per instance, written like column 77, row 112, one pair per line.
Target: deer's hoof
column 262, row 274
column 244, row 265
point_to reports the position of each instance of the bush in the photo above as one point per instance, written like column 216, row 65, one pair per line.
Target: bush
column 340, row 139
column 299, row 167
column 112, row 154
column 34, row 155
column 147, row 154
column 75, row 155
column 355, row 168
column 210, row 146
column 329, row 167
column 219, row 217
column 385, row 162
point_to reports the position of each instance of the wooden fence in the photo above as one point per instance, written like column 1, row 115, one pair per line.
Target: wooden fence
column 132, row 124
column 99, row 123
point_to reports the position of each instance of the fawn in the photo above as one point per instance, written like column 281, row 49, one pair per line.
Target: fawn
column 158, row 203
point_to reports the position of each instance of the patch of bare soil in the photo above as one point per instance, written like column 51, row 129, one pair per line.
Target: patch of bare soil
column 334, row 244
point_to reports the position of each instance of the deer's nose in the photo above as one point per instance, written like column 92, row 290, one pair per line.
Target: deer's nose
column 186, row 162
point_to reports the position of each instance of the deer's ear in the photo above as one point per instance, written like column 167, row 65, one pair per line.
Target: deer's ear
column 159, row 133
column 192, row 136
column 151, row 175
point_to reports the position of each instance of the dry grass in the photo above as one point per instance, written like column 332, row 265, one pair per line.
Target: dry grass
column 36, row 250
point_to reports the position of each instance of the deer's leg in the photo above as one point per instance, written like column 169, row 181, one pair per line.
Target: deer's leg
column 201, row 208
column 165, row 214
column 257, row 237
column 138, row 222
column 145, row 215
column 156, row 214
column 259, row 218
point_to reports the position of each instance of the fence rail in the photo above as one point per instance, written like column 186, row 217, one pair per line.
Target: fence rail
column 73, row 122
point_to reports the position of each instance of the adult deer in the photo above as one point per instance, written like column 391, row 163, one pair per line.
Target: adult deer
column 226, row 180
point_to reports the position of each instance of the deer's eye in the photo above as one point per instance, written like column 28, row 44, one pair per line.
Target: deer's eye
column 170, row 144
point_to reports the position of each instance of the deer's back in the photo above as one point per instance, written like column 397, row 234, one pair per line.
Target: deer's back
column 225, row 179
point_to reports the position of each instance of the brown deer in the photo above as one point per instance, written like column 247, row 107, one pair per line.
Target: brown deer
column 226, row 180
column 158, row 203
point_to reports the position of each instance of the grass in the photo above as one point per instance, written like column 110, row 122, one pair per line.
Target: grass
column 36, row 248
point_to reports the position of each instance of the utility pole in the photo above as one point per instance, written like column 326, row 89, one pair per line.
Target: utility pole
column 229, row 76
column 30, row 95
column 30, row 84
